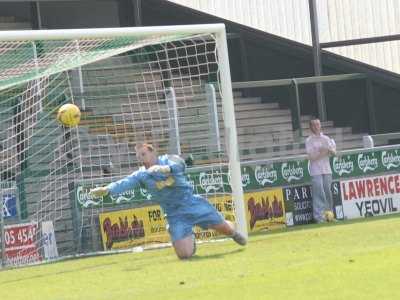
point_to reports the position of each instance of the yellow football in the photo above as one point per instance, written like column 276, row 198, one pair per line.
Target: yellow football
column 69, row 115
column 329, row 216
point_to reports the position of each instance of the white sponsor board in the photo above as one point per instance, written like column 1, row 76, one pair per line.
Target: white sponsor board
column 370, row 196
column 49, row 240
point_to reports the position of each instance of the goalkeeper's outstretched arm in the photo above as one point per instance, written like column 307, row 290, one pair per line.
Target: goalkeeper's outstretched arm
column 117, row 187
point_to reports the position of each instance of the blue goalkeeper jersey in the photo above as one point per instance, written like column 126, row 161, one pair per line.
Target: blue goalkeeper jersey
column 172, row 191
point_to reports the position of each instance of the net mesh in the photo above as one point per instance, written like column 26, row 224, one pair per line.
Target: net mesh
column 130, row 90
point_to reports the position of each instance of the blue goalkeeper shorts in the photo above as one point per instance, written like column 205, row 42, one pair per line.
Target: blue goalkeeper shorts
column 200, row 213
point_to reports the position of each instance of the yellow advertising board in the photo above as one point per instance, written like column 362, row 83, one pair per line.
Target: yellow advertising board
column 133, row 227
column 265, row 209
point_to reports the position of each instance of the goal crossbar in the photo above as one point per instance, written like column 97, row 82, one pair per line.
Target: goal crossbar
column 60, row 34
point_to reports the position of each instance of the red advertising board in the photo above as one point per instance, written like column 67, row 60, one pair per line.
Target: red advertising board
column 21, row 244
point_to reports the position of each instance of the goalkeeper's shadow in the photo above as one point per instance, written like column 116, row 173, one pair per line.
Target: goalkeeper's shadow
column 215, row 255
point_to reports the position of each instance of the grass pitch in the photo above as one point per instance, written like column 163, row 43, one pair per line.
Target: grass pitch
column 344, row 260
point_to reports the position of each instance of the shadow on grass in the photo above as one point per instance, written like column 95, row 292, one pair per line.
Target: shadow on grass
column 215, row 255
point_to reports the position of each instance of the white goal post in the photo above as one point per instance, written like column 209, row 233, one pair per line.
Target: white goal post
column 36, row 77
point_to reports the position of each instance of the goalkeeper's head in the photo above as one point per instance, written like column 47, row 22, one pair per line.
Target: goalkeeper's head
column 146, row 154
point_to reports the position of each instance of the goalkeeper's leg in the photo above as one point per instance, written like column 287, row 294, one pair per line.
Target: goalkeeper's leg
column 182, row 237
column 206, row 216
column 186, row 247
column 227, row 228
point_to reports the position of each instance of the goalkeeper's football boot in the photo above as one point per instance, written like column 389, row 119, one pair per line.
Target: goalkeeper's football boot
column 239, row 238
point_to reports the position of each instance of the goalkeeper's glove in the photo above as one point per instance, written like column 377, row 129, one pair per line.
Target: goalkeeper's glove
column 158, row 168
column 99, row 192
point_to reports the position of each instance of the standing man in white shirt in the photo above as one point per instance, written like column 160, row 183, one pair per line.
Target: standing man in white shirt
column 319, row 148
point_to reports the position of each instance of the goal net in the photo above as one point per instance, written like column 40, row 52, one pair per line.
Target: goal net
column 168, row 86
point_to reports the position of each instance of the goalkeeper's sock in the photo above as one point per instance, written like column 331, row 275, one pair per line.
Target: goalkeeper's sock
column 239, row 238
column 194, row 246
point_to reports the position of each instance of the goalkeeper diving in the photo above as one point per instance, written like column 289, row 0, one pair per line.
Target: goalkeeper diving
column 164, row 178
